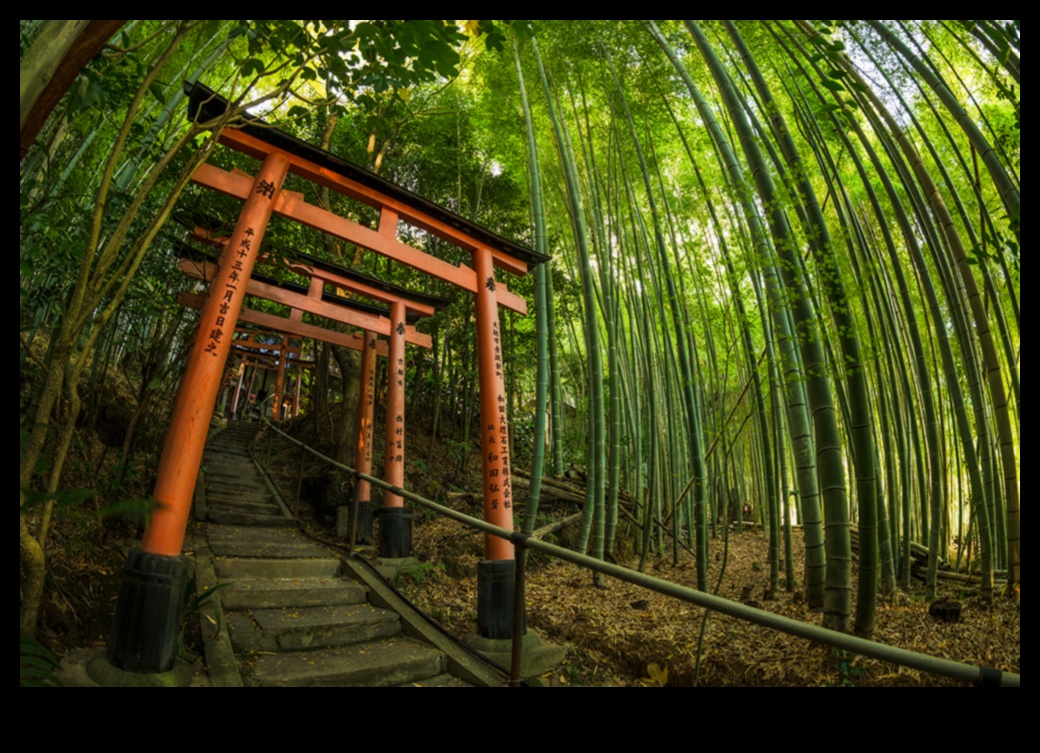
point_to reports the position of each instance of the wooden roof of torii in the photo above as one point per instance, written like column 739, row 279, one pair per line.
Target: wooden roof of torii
column 257, row 353
column 256, row 139
column 206, row 104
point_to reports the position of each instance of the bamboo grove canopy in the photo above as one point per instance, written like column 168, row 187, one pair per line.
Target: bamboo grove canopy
column 785, row 268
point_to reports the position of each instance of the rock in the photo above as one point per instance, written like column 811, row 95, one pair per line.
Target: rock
column 945, row 610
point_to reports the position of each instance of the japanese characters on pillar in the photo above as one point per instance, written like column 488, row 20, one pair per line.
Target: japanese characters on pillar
column 370, row 404
column 498, row 492
column 394, row 452
column 370, row 401
column 366, row 411
column 497, row 431
column 399, row 378
column 231, row 283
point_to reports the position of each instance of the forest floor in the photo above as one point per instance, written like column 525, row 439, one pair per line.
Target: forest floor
column 616, row 634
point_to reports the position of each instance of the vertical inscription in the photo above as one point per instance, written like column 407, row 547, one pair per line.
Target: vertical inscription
column 216, row 334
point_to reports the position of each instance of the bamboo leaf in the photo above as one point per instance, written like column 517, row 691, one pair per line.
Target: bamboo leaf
column 62, row 498
column 135, row 509
column 156, row 90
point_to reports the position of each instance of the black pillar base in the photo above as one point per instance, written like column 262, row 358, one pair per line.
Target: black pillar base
column 365, row 516
column 148, row 613
column 495, row 589
column 395, row 532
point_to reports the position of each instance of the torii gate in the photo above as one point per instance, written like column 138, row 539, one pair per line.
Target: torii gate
column 405, row 306
column 144, row 634
column 271, row 356
column 256, row 353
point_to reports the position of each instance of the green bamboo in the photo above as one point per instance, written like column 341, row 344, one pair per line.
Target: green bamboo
column 931, row 298
column 594, row 496
column 828, row 443
column 541, row 323
column 688, row 383
column 1005, row 188
column 798, row 411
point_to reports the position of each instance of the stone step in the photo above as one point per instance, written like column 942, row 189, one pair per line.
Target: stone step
column 230, row 497
column 242, row 567
column 227, row 456
column 395, row 661
column 266, row 543
column 241, row 482
column 228, row 504
column 227, row 517
column 301, row 628
column 438, row 681
column 271, row 593
column 292, row 618
column 236, row 434
column 237, row 481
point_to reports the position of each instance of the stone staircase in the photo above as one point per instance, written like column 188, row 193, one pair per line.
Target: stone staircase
column 231, row 490
column 290, row 612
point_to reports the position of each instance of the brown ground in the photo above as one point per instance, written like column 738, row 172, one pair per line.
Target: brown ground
column 614, row 638
column 615, row 643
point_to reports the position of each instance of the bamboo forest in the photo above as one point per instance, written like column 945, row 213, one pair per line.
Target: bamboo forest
column 719, row 320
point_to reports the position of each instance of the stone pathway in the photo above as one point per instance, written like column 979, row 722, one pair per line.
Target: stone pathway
column 290, row 612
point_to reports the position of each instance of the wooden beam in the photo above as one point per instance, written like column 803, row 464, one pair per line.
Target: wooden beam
column 291, row 205
column 283, row 324
column 312, row 305
column 340, row 281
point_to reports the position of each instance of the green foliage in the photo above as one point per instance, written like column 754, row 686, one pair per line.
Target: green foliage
column 37, row 665
column 193, row 602
column 62, row 498
column 138, row 510
column 845, row 668
column 407, row 576
column 426, row 570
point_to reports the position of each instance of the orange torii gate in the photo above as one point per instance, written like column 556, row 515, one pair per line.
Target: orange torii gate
column 147, row 615
column 267, row 355
column 395, row 539
column 260, row 354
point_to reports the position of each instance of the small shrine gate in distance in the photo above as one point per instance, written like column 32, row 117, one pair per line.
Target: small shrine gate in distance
column 256, row 355
column 148, row 610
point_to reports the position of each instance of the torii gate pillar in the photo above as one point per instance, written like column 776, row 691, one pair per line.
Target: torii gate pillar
column 362, row 526
column 147, row 621
column 494, row 574
column 395, row 536
column 279, row 383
